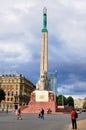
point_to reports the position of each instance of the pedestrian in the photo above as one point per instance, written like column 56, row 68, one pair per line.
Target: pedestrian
column 16, row 112
column 73, row 118
column 19, row 114
column 39, row 114
column 42, row 114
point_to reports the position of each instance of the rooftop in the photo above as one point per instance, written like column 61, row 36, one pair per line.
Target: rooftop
column 10, row 73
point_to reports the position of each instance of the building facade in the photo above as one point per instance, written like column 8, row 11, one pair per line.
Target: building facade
column 78, row 103
column 53, row 78
column 17, row 88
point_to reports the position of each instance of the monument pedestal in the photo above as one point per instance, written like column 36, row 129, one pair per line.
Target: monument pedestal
column 41, row 99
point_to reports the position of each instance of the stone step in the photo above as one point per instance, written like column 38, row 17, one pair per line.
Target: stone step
column 35, row 107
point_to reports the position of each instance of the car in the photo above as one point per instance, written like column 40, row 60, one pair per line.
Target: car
column 83, row 110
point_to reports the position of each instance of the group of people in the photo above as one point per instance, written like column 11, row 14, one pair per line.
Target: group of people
column 73, row 114
column 41, row 114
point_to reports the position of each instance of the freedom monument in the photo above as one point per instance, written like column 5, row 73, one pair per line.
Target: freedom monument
column 43, row 96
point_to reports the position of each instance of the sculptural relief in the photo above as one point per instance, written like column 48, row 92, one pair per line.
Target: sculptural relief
column 43, row 83
column 51, row 97
column 33, row 97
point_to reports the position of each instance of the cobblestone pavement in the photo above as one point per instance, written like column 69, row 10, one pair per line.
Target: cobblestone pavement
column 32, row 122
column 81, row 125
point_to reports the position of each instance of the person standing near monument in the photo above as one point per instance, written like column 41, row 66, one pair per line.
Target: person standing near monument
column 73, row 118
column 42, row 114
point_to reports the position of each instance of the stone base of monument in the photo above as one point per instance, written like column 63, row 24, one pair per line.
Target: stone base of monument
column 41, row 99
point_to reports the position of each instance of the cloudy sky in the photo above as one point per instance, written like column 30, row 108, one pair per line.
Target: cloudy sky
column 20, row 41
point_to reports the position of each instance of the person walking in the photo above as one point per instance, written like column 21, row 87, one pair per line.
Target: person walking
column 73, row 118
column 39, row 114
column 16, row 112
column 42, row 114
column 19, row 114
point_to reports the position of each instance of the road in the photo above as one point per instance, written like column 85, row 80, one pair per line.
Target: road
column 32, row 122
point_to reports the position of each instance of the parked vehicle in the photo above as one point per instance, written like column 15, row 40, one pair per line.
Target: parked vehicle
column 83, row 110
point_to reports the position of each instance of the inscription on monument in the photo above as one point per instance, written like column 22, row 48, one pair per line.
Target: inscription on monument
column 42, row 96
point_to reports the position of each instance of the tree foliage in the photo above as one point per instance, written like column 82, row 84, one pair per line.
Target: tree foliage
column 70, row 101
column 2, row 95
column 62, row 100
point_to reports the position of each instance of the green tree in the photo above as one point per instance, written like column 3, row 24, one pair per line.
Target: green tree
column 61, row 100
column 2, row 94
column 70, row 101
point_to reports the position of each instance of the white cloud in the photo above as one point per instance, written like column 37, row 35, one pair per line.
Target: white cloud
column 78, row 88
column 14, row 52
column 68, row 26
column 80, row 96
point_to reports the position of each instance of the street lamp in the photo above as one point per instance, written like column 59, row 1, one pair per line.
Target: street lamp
column 62, row 98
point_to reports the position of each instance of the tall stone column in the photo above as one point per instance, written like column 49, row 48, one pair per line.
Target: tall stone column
column 44, row 53
column 44, row 82
column 44, row 46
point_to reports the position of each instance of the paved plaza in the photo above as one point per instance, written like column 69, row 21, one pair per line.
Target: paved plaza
column 32, row 122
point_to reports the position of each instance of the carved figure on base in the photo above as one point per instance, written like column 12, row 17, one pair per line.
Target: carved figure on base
column 44, row 82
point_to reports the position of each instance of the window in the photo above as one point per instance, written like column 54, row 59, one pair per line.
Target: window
column 3, row 81
column 8, row 93
column 12, row 93
column 11, row 99
column 16, row 93
column 16, row 86
column 12, row 81
column 8, row 86
column 17, row 80
column 12, row 87
column 7, row 99
column 9, row 80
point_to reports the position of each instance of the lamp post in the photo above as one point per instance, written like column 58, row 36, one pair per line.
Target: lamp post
column 62, row 98
column 62, row 101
